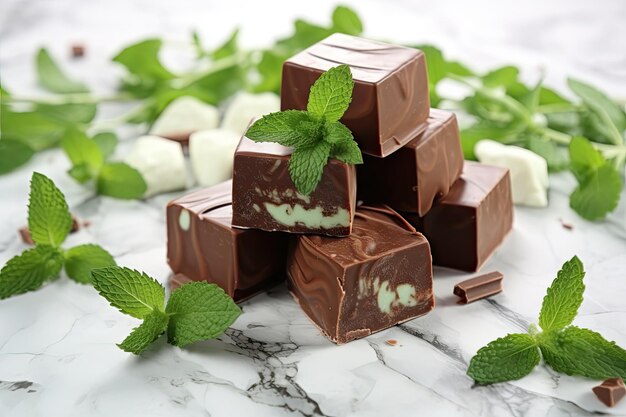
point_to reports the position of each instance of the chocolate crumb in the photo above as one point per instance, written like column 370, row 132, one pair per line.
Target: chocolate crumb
column 391, row 342
column 566, row 225
column 611, row 391
column 78, row 50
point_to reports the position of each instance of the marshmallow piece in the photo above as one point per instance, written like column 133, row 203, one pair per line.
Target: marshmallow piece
column 183, row 116
column 245, row 107
column 212, row 153
column 529, row 171
column 160, row 162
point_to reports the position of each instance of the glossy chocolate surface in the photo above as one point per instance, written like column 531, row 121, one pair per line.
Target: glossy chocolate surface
column 611, row 391
column 264, row 196
column 377, row 277
column 423, row 170
column 466, row 226
column 390, row 102
column 202, row 245
column 479, row 287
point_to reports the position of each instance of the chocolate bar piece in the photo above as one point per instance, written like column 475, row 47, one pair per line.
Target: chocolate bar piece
column 482, row 286
column 414, row 176
column 202, row 245
column 466, row 226
column 611, row 391
column 377, row 277
column 264, row 196
column 390, row 102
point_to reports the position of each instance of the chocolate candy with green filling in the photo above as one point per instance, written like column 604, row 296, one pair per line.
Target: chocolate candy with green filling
column 379, row 276
column 202, row 245
column 423, row 170
column 265, row 197
column 390, row 102
column 466, row 226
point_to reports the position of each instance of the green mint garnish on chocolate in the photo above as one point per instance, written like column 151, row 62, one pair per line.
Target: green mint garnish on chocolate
column 195, row 311
column 49, row 223
column 565, row 348
column 315, row 134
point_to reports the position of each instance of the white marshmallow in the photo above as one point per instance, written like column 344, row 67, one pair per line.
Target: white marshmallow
column 529, row 171
column 185, row 115
column 212, row 153
column 161, row 163
column 245, row 107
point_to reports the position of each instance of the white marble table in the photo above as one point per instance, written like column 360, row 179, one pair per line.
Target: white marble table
column 57, row 345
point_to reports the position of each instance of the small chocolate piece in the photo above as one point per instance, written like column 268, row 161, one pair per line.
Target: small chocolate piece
column 28, row 239
column 566, row 225
column 611, row 391
column 264, row 196
column 202, row 245
column 466, row 226
column 391, row 342
column 390, row 102
column 78, row 50
column 377, row 277
column 413, row 177
column 480, row 287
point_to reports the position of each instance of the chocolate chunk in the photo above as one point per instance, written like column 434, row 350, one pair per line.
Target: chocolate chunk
column 264, row 196
column 423, row 170
column 377, row 277
column 466, row 226
column 611, row 391
column 390, row 102
column 480, row 287
column 78, row 50
column 28, row 239
column 202, row 245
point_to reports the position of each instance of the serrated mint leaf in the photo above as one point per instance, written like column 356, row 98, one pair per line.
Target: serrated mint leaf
column 280, row 127
column 505, row 359
column 306, row 166
column 142, row 60
column 120, row 180
column 345, row 20
column 106, row 141
column 347, row 152
column 331, row 94
column 564, row 297
column 49, row 219
column 199, row 311
column 598, row 194
column 576, row 351
column 80, row 260
column 132, row 292
column 228, row 48
column 13, row 154
column 52, row 78
column 83, row 151
column 154, row 324
column 337, row 132
column 29, row 270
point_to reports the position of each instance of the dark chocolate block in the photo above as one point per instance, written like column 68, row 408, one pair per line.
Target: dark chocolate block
column 377, row 277
column 202, row 245
column 479, row 287
column 390, row 102
column 611, row 391
column 466, row 226
column 414, row 176
column 264, row 196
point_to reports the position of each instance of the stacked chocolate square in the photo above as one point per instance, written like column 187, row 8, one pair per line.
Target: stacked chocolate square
column 354, row 268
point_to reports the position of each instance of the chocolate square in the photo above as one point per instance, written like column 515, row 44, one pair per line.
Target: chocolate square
column 202, row 245
column 265, row 197
column 420, row 172
column 390, row 102
column 466, row 226
column 377, row 277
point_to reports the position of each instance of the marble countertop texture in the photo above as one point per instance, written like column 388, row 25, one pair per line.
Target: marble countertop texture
column 57, row 345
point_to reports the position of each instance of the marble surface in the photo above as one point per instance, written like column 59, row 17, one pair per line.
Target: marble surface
column 57, row 345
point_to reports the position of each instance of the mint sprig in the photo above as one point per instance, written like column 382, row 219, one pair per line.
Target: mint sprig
column 567, row 349
column 49, row 222
column 195, row 311
column 315, row 134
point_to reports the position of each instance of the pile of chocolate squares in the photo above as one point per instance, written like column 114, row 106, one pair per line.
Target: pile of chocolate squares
column 354, row 268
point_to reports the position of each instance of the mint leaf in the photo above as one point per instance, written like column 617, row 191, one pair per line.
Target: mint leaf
column 49, row 219
column 33, row 129
column 80, row 260
column 564, row 297
column 228, row 48
column 106, row 141
column 29, row 270
column 52, row 78
column 331, row 94
column 69, row 113
column 576, row 351
column 142, row 60
column 13, row 154
column 337, row 132
column 154, row 324
column 584, row 158
column 280, row 127
column 507, row 358
column 348, row 152
column 83, row 151
column 81, row 173
column 120, row 180
column 597, row 195
column 501, row 77
column 345, row 20
column 199, row 311
column 132, row 292
column 306, row 166
column 555, row 156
